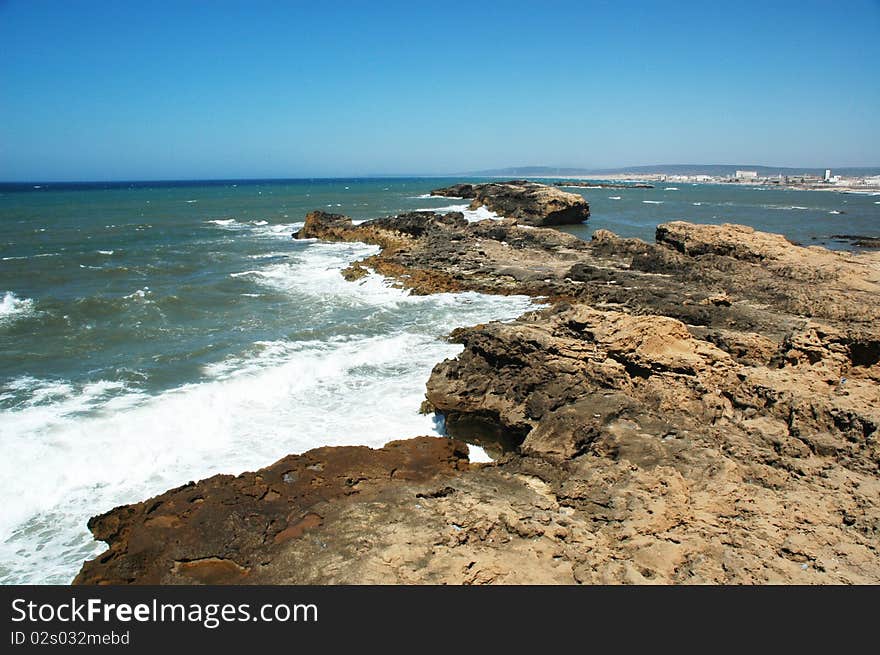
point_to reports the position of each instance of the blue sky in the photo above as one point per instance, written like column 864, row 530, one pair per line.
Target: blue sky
column 173, row 90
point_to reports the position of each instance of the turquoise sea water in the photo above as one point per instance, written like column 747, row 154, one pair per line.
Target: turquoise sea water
column 151, row 334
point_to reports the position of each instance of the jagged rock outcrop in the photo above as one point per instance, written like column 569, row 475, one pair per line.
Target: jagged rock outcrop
column 228, row 529
column 700, row 409
column 529, row 203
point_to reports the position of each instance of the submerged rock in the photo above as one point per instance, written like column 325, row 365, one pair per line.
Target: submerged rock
column 858, row 240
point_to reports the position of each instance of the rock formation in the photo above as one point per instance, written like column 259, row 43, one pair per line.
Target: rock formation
column 529, row 203
column 227, row 529
column 703, row 409
column 859, row 241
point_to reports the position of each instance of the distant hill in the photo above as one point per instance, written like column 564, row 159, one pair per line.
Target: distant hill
column 667, row 169
column 529, row 171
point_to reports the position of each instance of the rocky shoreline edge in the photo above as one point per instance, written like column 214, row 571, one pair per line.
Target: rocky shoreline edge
column 702, row 409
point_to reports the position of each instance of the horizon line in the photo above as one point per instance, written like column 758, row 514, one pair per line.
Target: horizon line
column 585, row 171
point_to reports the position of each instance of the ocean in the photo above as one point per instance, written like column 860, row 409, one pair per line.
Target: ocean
column 156, row 333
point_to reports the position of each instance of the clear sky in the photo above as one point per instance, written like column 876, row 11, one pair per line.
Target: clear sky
column 95, row 90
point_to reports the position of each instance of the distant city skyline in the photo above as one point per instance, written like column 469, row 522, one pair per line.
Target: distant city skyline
column 183, row 90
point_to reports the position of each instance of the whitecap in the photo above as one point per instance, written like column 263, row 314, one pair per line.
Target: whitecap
column 653, row 202
column 42, row 254
column 671, row 188
column 100, row 446
column 13, row 307
column 139, row 294
column 268, row 255
column 613, row 197
column 224, row 222
column 274, row 231
column 106, row 252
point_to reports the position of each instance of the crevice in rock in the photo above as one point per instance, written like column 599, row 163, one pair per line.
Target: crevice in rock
column 486, row 430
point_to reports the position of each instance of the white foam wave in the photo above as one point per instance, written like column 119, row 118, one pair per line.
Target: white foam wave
column 478, row 455
column 653, row 202
column 104, row 444
column 445, row 208
column 481, row 213
column 139, row 294
column 268, row 255
column 671, row 188
column 43, row 254
column 278, row 229
column 105, row 252
column 260, row 227
column 13, row 307
column 613, row 197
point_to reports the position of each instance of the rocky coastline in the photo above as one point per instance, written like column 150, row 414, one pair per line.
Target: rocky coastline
column 701, row 409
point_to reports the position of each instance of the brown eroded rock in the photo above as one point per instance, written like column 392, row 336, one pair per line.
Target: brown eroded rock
column 227, row 529
column 701, row 409
column 529, row 203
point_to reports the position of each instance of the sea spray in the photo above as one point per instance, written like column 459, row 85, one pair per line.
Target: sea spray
column 105, row 444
